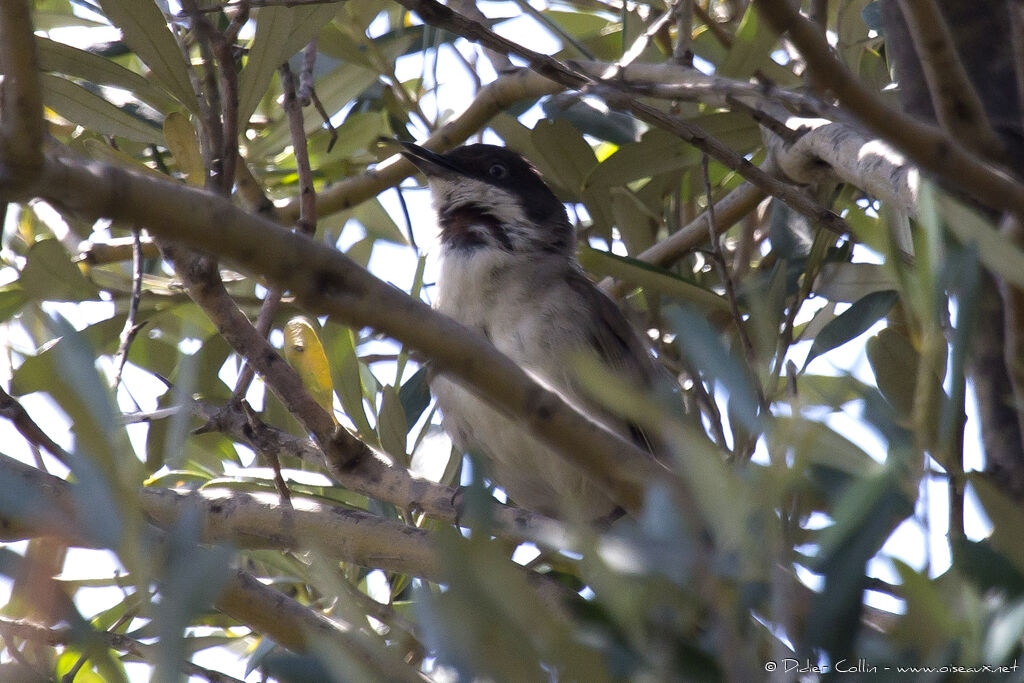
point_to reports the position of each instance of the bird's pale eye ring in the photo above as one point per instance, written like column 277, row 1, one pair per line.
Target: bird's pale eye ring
column 498, row 171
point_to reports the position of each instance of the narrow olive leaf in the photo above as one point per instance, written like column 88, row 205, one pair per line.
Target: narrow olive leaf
column 994, row 249
column 101, row 151
column 848, row 282
column 1007, row 519
column 980, row 563
column 865, row 516
column 816, row 444
column 653, row 278
column 930, row 620
column 12, row 298
column 415, row 396
column 703, row 348
column 854, row 321
column 145, row 30
column 391, row 424
column 378, row 223
column 280, row 33
column 335, row 90
column 755, row 39
column 71, row 61
column 49, row 275
column 184, row 145
column 613, row 126
column 77, row 104
column 348, row 382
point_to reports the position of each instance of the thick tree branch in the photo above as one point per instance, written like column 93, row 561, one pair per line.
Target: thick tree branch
column 302, row 629
column 21, row 101
column 326, row 281
column 831, row 152
column 927, row 146
column 408, row 492
column 957, row 105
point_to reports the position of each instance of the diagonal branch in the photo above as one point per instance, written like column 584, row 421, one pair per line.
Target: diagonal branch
column 326, row 281
column 438, row 15
column 21, row 101
column 957, row 105
column 926, row 145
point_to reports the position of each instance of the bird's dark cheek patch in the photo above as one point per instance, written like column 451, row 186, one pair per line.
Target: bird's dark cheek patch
column 470, row 226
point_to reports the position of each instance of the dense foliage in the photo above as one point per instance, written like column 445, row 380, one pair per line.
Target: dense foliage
column 830, row 266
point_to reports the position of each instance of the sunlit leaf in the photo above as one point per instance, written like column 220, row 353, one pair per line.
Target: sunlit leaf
column 77, row 104
column 145, row 30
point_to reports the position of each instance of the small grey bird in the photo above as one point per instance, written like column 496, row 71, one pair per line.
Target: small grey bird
column 509, row 270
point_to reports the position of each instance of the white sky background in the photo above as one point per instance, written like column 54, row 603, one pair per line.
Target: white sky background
column 912, row 542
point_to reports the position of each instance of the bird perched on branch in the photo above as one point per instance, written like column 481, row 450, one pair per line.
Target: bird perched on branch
column 509, row 270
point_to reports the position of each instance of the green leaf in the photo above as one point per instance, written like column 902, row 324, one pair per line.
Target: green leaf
column 652, row 278
column 12, row 298
column 77, row 104
column 145, row 30
column 994, row 249
column 340, row 343
column 280, row 33
column 415, row 396
column 855, row 321
column 864, row 518
column 378, row 222
column 71, row 61
column 816, row 444
column 657, row 152
column 391, row 424
column 335, row 90
column 184, row 145
column 1007, row 518
column 848, row 282
column 49, row 275
column 751, row 49
column 563, row 154
column 986, row 568
column 894, row 361
column 613, row 126
column 703, row 347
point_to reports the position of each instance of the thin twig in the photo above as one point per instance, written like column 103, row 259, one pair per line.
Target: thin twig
column 553, row 26
column 682, row 51
column 408, row 219
column 305, row 93
column 12, row 409
column 639, row 45
column 131, row 328
column 307, row 193
column 750, row 355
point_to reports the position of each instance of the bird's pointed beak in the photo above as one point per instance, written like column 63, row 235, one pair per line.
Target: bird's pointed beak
column 430, row 163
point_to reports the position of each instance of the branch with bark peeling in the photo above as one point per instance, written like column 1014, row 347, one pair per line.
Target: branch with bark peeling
column 926, row 145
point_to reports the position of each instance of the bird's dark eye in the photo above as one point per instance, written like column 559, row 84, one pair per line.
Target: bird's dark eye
column 498, row 171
